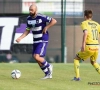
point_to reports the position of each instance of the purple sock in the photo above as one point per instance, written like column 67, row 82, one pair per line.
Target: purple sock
column 45, row 70
column 45, row 67
column 45, row 64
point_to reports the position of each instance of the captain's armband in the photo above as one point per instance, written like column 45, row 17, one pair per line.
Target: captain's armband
column 28, row 28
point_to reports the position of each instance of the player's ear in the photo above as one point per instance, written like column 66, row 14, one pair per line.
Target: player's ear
column 85, row 17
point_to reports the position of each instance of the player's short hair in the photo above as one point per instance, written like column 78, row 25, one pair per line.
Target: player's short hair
column 88, row 13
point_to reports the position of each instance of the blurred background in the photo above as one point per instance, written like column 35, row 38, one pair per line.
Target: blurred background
column 65, row 36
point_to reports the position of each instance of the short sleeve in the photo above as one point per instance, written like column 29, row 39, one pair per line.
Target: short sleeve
column 83, row 26
column 28, row 26
column 46, row 18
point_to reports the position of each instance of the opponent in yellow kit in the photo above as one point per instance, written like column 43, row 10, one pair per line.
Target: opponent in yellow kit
column 90, row 44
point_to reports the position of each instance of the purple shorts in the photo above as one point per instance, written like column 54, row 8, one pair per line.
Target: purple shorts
column 40, row 48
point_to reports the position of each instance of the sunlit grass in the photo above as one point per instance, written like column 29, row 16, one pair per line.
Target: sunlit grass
column 62, row 75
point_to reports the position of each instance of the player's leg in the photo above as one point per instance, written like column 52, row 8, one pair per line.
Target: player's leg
column 80, row 56
column 39, row 54
column 93, row 59
column 96, row 66
column 42, row 63
column 76, row 67
column 36, row 55
column 44, row 69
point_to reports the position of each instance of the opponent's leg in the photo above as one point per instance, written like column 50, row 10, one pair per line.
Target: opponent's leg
column 44, row 69
column 49, row 68
column 95, row 65
column 76, row 68
column 38, row 55
column 44, row 65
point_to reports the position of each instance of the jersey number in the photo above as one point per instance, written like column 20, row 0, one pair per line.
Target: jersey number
column 95, row 34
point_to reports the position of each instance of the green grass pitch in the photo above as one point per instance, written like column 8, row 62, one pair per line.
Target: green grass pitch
column 62, row 75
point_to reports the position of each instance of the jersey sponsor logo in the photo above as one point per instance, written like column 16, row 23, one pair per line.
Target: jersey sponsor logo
column 93, row 49
column 31, row 22
column 7, row 31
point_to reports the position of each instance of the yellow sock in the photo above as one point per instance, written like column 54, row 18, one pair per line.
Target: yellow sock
column 97, row 67
column 76, row 67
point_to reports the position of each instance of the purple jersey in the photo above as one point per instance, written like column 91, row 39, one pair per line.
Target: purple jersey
column 37, row 25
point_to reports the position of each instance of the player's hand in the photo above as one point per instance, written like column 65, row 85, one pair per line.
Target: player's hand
column 82, row 48
column 18, row 40
column 45, row 30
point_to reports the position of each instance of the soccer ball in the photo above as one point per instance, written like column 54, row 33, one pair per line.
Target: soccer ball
column 15, row 74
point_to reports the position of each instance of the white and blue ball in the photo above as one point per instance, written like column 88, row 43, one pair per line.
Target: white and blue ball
column 15, row 74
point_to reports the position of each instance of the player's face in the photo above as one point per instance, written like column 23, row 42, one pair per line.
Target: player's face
column 32, row 12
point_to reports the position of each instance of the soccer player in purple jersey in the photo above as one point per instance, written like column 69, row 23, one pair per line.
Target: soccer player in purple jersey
column 38, row 24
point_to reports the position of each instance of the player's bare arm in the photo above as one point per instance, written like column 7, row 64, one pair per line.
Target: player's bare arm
column 84, row 40
column 53, row 22
column 23, row 35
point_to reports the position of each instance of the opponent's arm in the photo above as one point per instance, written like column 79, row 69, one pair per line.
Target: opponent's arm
column 84, row 40
column 53, row 22
column 23, row 35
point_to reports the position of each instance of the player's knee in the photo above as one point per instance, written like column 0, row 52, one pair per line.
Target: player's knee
column 77, row 58
column 36, row 56
column 92, row 62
